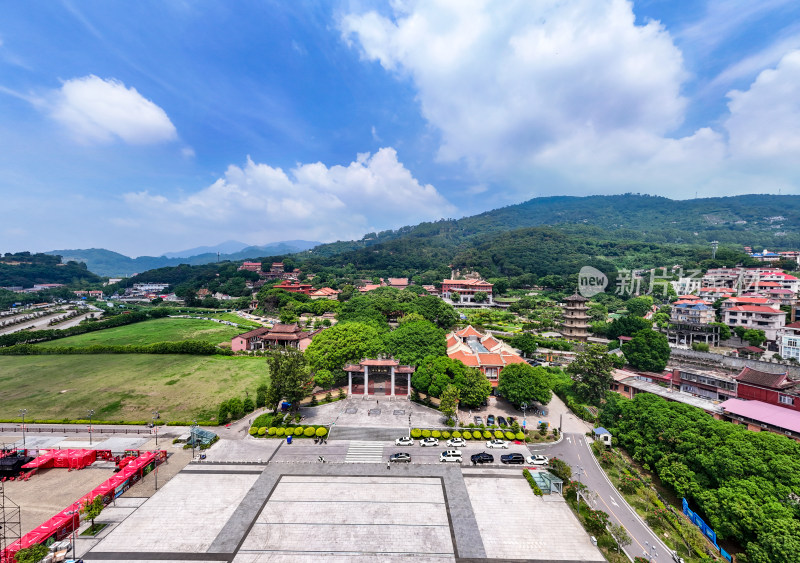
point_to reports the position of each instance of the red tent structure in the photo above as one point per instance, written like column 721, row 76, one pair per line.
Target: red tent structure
column 70, row 459
column 62, row 524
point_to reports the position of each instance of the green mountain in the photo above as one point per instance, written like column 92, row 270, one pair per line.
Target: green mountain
column 113, row 264
column 26, row 269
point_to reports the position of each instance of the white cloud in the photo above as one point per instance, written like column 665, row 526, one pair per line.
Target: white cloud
column 95, row 110
column 259, row 202
column 567, row 94
column 764, row 121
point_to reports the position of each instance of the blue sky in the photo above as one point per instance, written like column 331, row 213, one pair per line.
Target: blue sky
column 154, row 126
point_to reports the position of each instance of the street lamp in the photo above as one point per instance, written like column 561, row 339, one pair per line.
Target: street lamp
column 91, row 414
column 155, row 424
column 22, row 413
column 578, row 472
column 192, row 436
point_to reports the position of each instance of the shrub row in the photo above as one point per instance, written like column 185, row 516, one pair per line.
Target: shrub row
column 295, row 431
column 536, row 490
column 467, row 434
column 195, row 347
column 105, row 422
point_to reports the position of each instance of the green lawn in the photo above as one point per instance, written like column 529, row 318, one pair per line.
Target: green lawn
column 124, row 386
column 156, row 330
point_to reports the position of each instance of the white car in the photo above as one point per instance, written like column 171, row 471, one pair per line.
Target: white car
column 429, row 442
column 537, row 460
column 450, row 455
column 497, row 444
column 456, row 443
column 404, row 441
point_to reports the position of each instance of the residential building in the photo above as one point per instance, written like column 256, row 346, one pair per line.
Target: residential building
column 759, row 317
column 709, row 384
column 250, row 266
column 324, row 293
column 714, row 293
column 765, row 256
column 759, row 416
column 369, row 287
column 149, row 287
column 629, row 384
column 482, row 351
column 747, row 279
column 466, row 290
column 749, row 299
column 781, row 296
column 696, row 312
column 771, row 388
column 41, row 286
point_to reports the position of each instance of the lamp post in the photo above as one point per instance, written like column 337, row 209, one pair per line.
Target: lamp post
column 578, row 472
column 22, row 413
column 193, row 436
column 91, row 414
column 155, row 425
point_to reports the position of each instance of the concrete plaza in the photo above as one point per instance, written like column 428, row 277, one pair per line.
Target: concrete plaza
column 304, row 512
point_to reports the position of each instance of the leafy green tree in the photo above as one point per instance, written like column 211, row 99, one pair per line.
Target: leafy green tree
column 473, row 387
column 639, row 306
column 521, row 383
column 32, row 554
column 724, row 330
column 591, row 371
column 236, row 408
column 596, row 521
column 481, row 297
column 261, row 395
column 620, row 535
column 647, row 350
column 223, row 414
column 92, row 509
column 739, row 331
column 290, row 378
column 598, row 312
column 346, row 292
column 248, row 405
column 754, row 337
column 410, row 318
column 525, row 343
column 344, row 343
column 324, row 378
column 448, row 405
column 626, row 326
column 411, row 342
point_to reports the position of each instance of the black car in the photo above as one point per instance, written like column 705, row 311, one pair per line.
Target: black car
column 482, row 457
column 490, row 419
column 511, row 420
column 513, row 458
column 501, row 421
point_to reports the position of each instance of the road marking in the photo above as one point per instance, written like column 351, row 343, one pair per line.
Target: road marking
column 613, row 502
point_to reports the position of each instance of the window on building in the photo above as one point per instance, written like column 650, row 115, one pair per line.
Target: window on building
column 785, row 400
column 626, row 388
column 491, row 373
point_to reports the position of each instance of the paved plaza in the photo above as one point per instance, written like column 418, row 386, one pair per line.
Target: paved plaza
column 304, row 512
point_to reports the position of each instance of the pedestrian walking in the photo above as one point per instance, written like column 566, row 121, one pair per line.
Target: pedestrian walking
column 388, row 466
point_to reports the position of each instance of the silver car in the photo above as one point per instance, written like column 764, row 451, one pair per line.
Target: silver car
column 456, row 443
column 404, row 441
column 497, row 444
column 429, row 442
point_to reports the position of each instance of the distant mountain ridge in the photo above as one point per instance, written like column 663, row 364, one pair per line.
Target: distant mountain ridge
column 113, row 264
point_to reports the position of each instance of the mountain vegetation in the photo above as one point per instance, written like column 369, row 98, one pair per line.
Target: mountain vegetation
column 25, row 269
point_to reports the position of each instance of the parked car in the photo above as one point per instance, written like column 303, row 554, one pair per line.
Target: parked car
column 450, row 455
column 404, row 441
column 400, row 457
column 490, row 419
column 537, row 460
column 511, row 420
column 429, row 442
column 515, row 458
column 482, row 457
column 501, row 421
column 497, row 444
column 456, row 443
column 478, row 421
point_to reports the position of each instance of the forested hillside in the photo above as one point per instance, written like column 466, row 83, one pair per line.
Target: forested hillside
column 26, row 269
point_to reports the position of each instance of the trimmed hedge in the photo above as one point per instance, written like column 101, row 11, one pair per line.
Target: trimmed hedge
column 321, row 432
column 509, row 436
column 520, row 436
column 272, row 430
column 487, row 434
column 536, row 490
column 436, row 434
column 262, row 431
column 467, row 435
column 499, row 434
column 253, row 431
column 416, row 433
column 456, row 434
column 446, row 434
column 194, row 347
column 309, row 431
column 426, row 433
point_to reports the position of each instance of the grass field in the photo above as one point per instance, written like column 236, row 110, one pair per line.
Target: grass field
column 124, row 386
column 156, row 330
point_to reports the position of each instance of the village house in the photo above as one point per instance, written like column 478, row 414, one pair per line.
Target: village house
column 280, row 335
column 760, row 317
column 294, row 286
column 484, row 352
column 694, row 311
column 324, row 293
column 250, row 267
column 789, row 341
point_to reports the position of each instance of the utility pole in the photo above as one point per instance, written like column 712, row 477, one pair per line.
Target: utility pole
column 714, row 246
column 155, row 425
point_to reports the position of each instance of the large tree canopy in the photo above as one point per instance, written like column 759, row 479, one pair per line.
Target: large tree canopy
column 591, row 371
column 648, row 350
column 341, row 344
column 411, row 342
column 289, row 378
column 434, row 374
column 521, row 383
column 626, row 326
